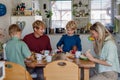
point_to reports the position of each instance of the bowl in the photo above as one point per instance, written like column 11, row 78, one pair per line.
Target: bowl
column 83, row 57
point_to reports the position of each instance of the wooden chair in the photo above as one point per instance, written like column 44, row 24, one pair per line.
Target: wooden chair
column 15, row 71
column 62, row 70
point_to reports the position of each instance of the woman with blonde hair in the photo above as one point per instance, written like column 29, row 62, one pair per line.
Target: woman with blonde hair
column 106, row 49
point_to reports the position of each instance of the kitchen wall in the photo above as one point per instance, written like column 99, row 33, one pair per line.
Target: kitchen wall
column 86, row 44
column 5, row 20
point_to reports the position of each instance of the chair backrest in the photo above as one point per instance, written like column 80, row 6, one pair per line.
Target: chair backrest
column 62, row 70
column 15, row 71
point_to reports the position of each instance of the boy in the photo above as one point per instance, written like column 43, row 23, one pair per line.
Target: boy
column 16, row 50
column 70, row 39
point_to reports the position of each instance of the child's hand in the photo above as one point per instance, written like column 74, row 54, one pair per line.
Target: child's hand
column 60, row 49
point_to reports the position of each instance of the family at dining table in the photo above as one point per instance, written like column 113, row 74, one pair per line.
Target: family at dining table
column 18, row 50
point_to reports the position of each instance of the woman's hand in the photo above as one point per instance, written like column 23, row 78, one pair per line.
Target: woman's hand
column 89, row 56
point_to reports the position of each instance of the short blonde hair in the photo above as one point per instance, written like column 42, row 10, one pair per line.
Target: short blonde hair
column 13, row 29
column 37, row 24
column 72, row 25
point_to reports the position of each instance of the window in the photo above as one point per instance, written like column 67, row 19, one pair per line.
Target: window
column 101, row 11
column 61, row 13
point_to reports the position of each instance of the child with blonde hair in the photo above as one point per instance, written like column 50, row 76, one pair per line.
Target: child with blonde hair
column 69, row 39
column 16, row 50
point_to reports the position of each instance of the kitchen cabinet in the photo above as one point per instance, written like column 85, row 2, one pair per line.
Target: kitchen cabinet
column 25, row 23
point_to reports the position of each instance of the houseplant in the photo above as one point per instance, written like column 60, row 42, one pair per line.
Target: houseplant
column 49, row 14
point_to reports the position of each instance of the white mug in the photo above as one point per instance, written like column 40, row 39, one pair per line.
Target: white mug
column 46, row 52
column 38, row 56
column 77, row 54
column 49, row 58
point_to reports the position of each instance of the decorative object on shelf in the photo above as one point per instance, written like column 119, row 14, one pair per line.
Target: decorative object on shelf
column 81, row 13
column 44, row 6
column 48, row 20
column 75, row 5
column 49, row 14
column 38, row 12
column 80, row 3
column 21, row 24
column 81, row 9
column 20, row 8
column 27, row 12
column 2, row 9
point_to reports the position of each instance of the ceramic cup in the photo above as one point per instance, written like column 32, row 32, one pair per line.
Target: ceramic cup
column 38, row 56
column 49, row 58
column 77, row 54
column 46, row 52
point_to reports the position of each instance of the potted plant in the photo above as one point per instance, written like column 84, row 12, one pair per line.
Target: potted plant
column 75, row 5
column 49, row 14
column 38, row 12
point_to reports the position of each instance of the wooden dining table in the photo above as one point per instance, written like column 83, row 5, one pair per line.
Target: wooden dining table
column 85, row 64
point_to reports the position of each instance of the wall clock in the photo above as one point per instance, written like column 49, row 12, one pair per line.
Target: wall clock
column 2, row 9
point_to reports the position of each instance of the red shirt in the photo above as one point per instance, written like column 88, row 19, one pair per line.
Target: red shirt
column 37, row 44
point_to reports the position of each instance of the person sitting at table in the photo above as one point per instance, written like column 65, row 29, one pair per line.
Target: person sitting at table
column 16, row 50
column 106, row 49
column 38, row 42
column 70, row 39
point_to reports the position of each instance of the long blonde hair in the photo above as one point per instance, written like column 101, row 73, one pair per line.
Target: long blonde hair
column 102, row 33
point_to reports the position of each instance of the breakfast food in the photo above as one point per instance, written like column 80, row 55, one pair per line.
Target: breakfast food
column 83, row 57
column 69, row 55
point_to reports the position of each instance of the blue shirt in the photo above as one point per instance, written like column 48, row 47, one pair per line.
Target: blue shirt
column 69, row 41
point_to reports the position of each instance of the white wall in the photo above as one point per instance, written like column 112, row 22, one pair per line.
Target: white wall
column 5, row 20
